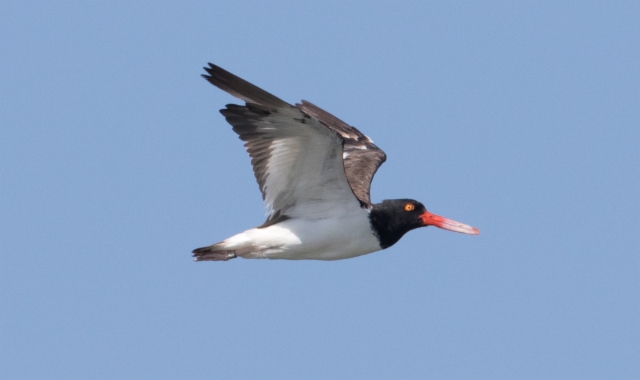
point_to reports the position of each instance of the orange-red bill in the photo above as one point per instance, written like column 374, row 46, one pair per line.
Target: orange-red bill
column 430, row 219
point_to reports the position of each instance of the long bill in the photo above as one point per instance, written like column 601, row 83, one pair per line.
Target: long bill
column 430, row 219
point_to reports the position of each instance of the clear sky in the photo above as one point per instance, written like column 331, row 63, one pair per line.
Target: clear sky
column 519, row 118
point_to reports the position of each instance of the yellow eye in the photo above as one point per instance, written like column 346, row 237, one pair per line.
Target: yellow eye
column 409, row 207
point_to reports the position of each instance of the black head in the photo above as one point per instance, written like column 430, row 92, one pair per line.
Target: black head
column 393, row 218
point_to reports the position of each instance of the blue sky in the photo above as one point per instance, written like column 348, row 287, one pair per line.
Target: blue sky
column 519, row 118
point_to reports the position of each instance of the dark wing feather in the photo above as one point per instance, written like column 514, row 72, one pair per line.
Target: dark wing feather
column 240, row 88
column 361, row 156
column 297, row 160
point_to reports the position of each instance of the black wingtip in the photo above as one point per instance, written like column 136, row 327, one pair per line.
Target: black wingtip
column 210, row 73
column 212, row 68
column 240, row 88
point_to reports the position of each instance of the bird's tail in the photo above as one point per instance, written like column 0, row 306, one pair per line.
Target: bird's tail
column 240, row 245
column 215, row 252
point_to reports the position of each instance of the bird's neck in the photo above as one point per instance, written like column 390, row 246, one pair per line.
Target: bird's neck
column 387, row 229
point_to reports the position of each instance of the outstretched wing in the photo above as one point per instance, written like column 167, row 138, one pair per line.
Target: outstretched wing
column 296, row 159
column 361, row 156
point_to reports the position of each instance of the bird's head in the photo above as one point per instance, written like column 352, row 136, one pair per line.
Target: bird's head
column 393, row 218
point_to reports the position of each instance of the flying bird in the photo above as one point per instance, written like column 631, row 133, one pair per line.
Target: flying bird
column 314, row 172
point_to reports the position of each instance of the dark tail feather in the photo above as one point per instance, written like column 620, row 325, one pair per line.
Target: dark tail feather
column 211, row 253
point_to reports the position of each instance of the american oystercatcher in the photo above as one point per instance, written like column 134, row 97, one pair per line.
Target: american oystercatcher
column 314, row 172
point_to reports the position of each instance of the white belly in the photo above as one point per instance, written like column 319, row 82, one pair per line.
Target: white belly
column 308, row 239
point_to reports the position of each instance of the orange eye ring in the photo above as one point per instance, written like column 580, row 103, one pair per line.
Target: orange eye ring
column 409, row 207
